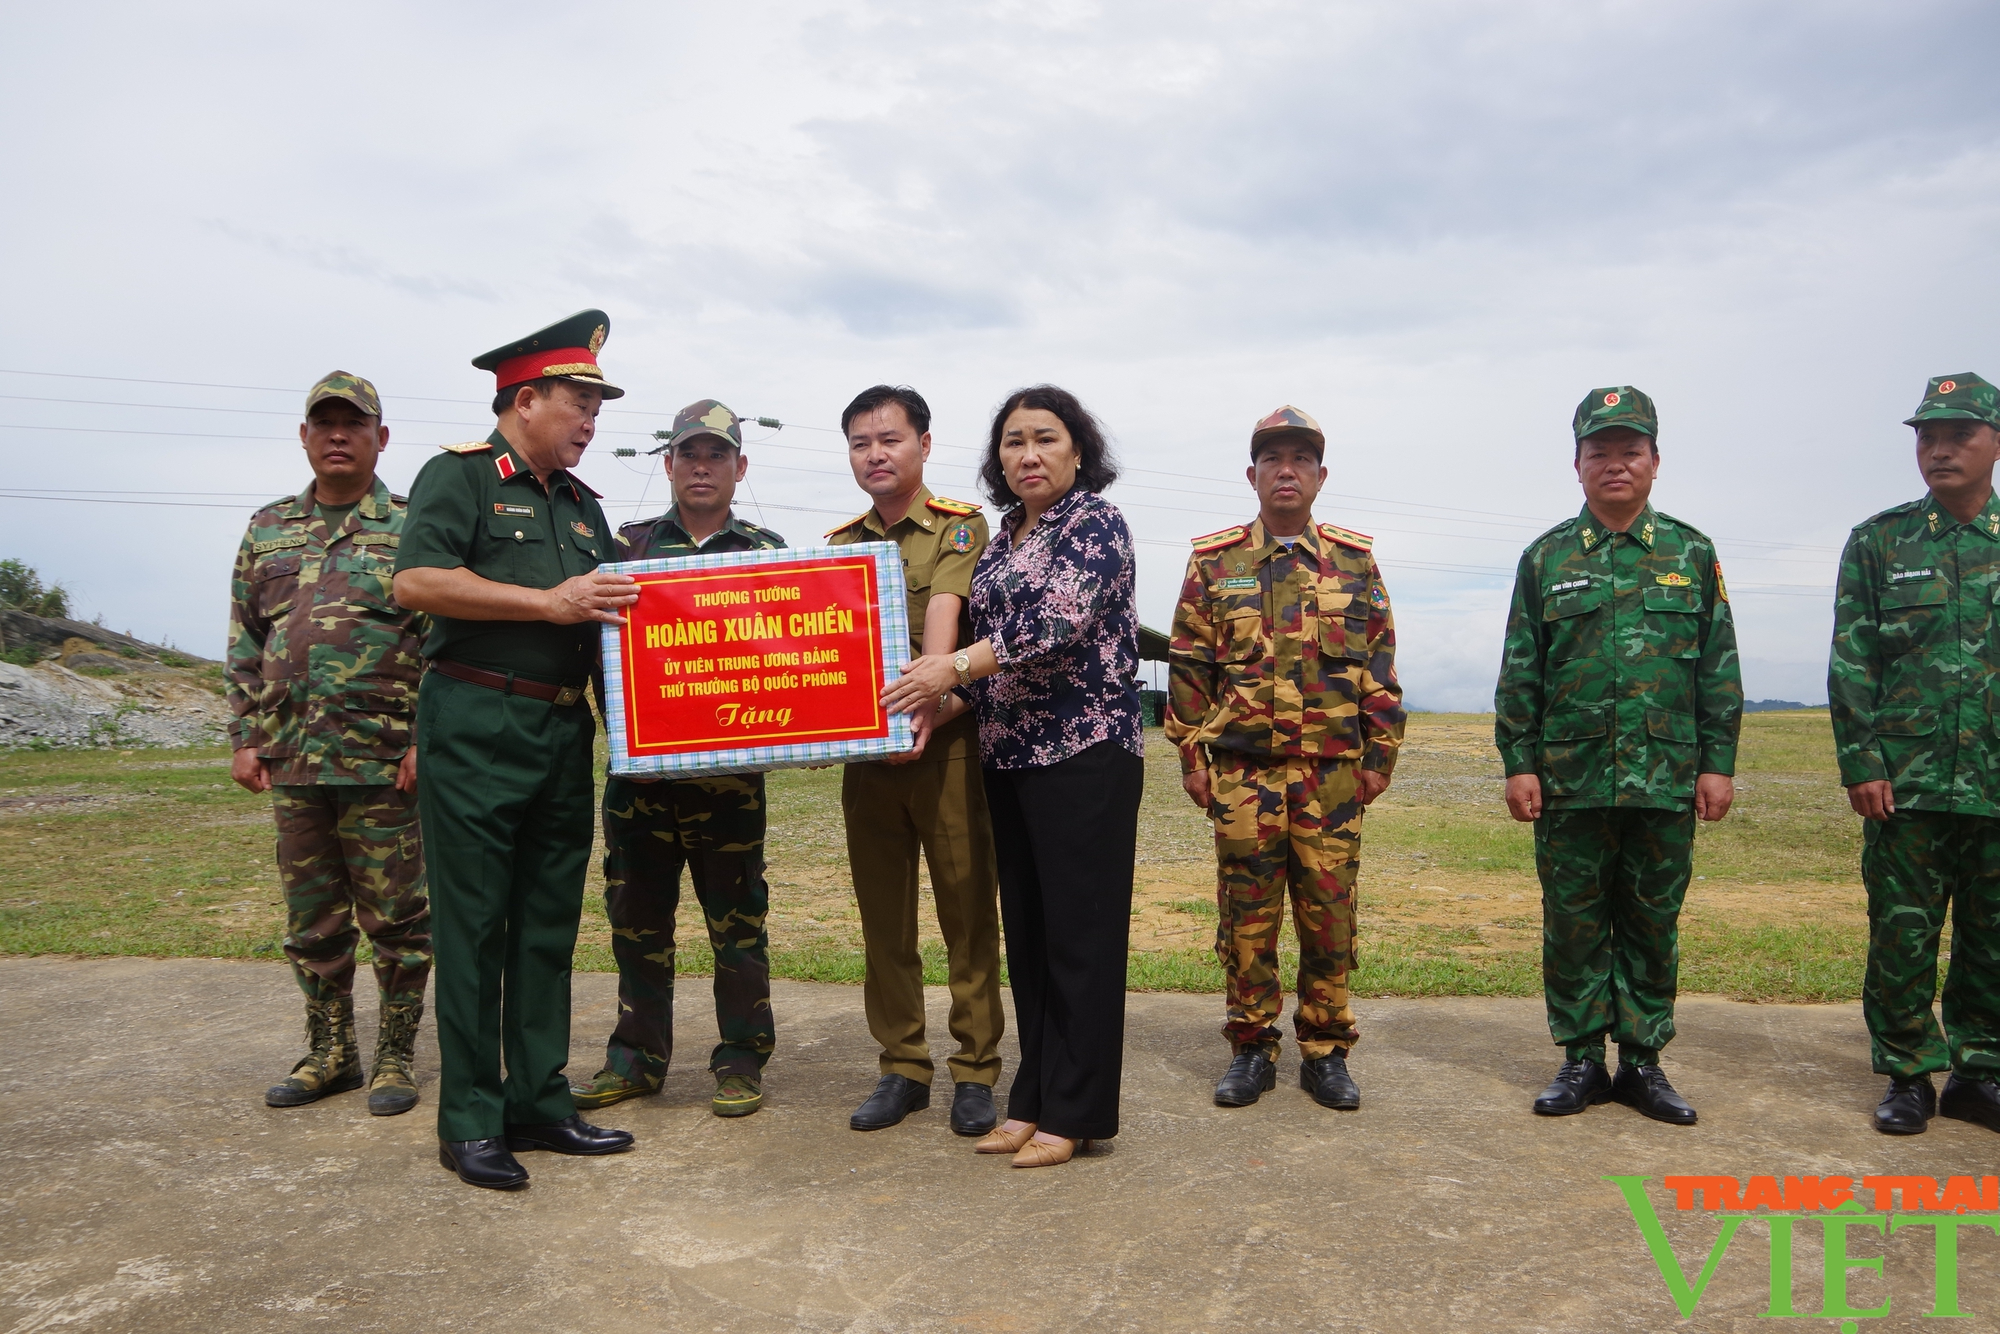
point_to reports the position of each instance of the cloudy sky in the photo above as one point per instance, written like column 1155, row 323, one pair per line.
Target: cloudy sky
column 1433, row 225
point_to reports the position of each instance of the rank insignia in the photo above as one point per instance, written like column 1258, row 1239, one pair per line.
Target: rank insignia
column 1673, row 580
column 582, row 529
column 597, row 339
column 505, row 463
column 469, row 447
column 1932, row 516
column 961, row 538
column 1721, row 589
column 526, row 511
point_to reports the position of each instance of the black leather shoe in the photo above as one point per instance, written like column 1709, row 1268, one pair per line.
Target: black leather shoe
column 1908, row 1106
column 972, row 1109
column 1249, row 1076
column 1976, row 1100
column 1579, row 1084
column 894, row 1098
column 482, row 1162
column 1326, row 1078
column 1645, row 1089
column 571, row 1135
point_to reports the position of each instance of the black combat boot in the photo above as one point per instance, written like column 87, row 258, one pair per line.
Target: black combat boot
column 333, row 1062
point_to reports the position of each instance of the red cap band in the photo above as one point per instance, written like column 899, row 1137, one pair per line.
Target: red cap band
column 536, row 365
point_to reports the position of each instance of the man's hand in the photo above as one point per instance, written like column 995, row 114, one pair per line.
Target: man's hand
column 1196, row 785
column 406, row 772
column 1713, row 794
column 596, row 596
column 1372, row 784
column 1872, row 801
column 1524, row 797
column 922, row 724
column 249, row 771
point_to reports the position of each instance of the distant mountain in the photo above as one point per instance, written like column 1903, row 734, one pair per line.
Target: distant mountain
column 1774, row 705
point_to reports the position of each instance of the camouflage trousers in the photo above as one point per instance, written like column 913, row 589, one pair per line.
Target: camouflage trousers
column 1286, row 823
column 715, row 828
column 348, row 855
column 1918, row 864
column 1613, row 878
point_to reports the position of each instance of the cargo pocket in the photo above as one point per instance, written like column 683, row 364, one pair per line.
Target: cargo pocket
column 1913, row 615
column 1670, row 762
column 1575, row 753
column 1575, row 623
column 518, row 540
column 1240, row 638
column 1909, row 745
column 1344, row 638
column 275, row 585
column 1672, row 626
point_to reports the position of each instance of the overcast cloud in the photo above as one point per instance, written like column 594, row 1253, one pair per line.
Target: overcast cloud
column 1433, row 225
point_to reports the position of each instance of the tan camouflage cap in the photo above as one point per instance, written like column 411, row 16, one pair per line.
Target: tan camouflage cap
column 1615, row 405
column 1284, row 423
column 339, row 384
column 1963, row 397
column 706, row 417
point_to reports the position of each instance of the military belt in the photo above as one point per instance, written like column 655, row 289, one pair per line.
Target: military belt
column 509, row 684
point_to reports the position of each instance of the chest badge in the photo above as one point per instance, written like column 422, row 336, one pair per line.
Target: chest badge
column 525, row 511
column 961, row 538
column 581, row 529
column 1673, row 580
column 1239, row 584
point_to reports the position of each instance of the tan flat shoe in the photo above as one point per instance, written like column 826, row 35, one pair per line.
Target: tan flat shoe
column 999, row 1140
column 1037, row 1154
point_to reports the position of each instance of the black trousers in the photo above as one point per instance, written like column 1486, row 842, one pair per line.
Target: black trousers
column 1064, row 837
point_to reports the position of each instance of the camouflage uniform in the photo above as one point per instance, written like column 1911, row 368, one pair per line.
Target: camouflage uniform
column 1913, row 674
column 1618, row 685
column 714, row 827
column 1282, row 682
column 322, row 676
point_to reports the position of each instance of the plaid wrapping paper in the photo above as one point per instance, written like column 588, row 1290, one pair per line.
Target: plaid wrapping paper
column 892, row 643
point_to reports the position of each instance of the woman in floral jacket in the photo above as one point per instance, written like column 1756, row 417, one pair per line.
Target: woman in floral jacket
column 1055, row 664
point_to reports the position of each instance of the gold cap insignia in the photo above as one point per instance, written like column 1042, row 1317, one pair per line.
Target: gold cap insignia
column 597, row 340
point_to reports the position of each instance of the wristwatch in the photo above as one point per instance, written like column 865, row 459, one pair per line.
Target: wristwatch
column 961, row 663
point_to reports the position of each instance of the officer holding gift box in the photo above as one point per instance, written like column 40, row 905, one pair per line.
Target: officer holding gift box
column 713, row 826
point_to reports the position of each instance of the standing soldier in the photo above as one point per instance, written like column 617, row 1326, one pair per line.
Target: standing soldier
column 712, row 826
column 931, row 800
column 1914, row 675
column 1616, row 716
column 323, row 667
column 502, row 549
column 1285, row 707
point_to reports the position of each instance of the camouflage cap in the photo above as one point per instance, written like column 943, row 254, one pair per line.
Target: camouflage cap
column 706, row 417
column 1615, row 405
column 1284, row 423
column 339, row 384
column 1963, row 397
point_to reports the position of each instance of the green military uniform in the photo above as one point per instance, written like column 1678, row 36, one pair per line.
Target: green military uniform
column 322, row 676
column 1619, row 684
column 1913, row 679
column 505, row 778
column 715, row 828
column 935, row 805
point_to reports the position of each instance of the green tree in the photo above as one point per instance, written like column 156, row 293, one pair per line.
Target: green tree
column 21, row 588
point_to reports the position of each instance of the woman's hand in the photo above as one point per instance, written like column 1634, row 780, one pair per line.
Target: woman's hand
column 921, row 683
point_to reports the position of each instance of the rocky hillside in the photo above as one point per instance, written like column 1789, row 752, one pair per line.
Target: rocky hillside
column 70, row 683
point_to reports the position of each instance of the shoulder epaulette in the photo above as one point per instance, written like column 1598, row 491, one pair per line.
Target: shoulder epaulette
column 958, row 509
column 395, row 499
column 1685, row 527
column 595, row 494
column 843, row 527
column 469, row 447
column 1347, row 537
column 1894, row 511
column 1228, row 537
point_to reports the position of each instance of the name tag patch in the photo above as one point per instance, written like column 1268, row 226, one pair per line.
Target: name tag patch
column 279, row 543
column 1242, row 583
column 1570, row 586
column 375, row 540
column 1897, row 576
column 526, row 511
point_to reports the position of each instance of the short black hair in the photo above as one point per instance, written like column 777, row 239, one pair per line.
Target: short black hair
column 1096, row 470
column 881, row 395
column 542, row 387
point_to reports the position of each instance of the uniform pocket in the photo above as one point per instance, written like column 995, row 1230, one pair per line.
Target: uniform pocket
column 1574, row 755
column 1909, row 749
column 1670, row 739
column 1672, row 627
column 1913, row 615
column 1343, row 637
column 275, row 583
column 1575, row 623
column 520, row 542
column 1240, row 638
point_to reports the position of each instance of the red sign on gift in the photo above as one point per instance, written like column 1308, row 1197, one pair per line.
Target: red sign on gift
column 779, row 653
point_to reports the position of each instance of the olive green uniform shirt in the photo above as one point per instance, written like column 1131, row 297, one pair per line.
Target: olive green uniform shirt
column 1619, row 681
column 479, row 507
column 940, row 541
column 1914, row 679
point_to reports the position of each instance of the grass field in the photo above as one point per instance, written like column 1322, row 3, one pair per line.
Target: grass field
column 155, row 852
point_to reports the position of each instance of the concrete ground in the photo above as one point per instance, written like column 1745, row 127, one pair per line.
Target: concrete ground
column 147, row 1187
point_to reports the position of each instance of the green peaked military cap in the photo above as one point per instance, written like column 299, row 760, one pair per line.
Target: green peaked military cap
column 1615, row 405
column 706, row 416
column 566, row 350
column 1963, row 397
column 352, row 388
column 1287, row 423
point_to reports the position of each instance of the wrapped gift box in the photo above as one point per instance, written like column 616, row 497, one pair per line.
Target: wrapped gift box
column 745, row 661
